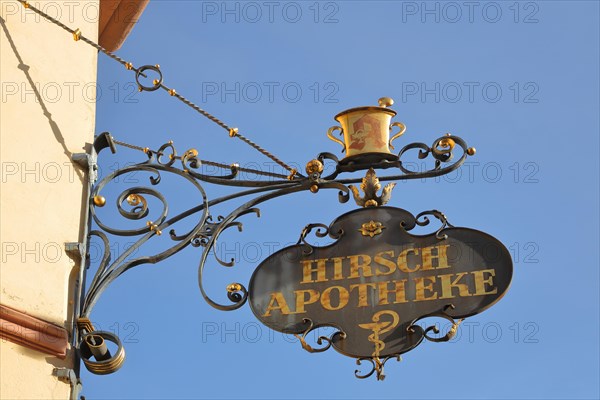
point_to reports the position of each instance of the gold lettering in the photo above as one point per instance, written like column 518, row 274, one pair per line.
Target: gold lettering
column 277, row 302
column 421, row 287
column 308, row 271
column 337, row 268
column 440, row 256
column 301, row 299
column 447, row 285
column 363, row 296
column 356, row 264
column 398, row 290
column 480, row 282
column 384, row 262
column 326, row 298
column 403, row 263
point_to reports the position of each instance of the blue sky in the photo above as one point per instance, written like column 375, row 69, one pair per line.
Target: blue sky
column 517, row 80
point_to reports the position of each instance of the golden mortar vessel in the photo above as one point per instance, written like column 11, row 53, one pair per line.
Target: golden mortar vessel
column 367, row 131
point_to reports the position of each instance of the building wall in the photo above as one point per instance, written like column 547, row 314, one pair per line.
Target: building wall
column 47, row 113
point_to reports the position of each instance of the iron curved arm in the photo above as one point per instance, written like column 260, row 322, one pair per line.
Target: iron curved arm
column 235, row 289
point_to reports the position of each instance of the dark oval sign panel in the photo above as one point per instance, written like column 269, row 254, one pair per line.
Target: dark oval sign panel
column 377, row 280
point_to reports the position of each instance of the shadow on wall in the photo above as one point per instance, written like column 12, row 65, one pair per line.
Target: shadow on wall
column 25, row 68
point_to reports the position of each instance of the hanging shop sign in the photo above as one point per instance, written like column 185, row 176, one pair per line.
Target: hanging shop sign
column 377, row 280
column 375, row 284
column 378, row 285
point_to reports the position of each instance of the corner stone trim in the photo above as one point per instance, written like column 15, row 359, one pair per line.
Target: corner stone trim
column 32, row 332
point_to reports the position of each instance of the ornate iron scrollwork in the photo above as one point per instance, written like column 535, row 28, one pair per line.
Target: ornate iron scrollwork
column 134, row 203
column 376, row 366
column 320, row 339
column 321, row 231
column 433, row 328
column 437, row 214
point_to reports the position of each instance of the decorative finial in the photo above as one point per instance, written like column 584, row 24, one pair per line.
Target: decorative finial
column 386, row 102
column 314, row 166
column 99, row 201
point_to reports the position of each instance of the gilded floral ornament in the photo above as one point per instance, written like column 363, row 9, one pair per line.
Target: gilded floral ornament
column 371, row 228
column 370, row 186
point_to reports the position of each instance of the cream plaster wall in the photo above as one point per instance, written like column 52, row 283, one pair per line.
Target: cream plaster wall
column 41, row 190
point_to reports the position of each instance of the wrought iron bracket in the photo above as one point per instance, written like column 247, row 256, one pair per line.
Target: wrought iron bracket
column 65, row 375
column 134, row 204
column 75, row 249
column 87, row 162
column 69, row 376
